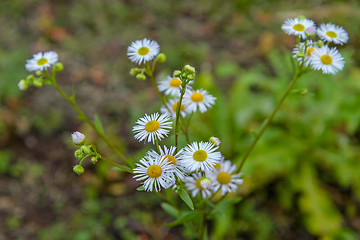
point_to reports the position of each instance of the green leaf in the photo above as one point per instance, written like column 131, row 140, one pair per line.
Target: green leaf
column 222, row 206
column 172, row 211
column 186, row 217
column 98, row 124
column 186, row 198
column 81, row 118
column 140, row 188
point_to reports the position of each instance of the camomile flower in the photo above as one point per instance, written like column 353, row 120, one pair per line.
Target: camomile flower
column 193, row 184
column 223, row 178
column 41, row 61
column 156, row 171
column 170, row 86
column 200, row 156
column 172, row 106
column 152, row 127
column 142, row 51
column 198, row 99
column 332, row 33
column 327, row 59
column 297, row 27
column 301, row 48
column 170, row 156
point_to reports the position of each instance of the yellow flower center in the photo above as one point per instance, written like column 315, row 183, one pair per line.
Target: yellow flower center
column 299, row 27
column 331, row 34
column 171, row 159
column 152, row 126
column 154, row 171
column 197, row 97
column 217, row 165
column 309, row 51
column 326, row 59
column 174, row 107
column 42, row 61
column 198, row 185
column 175, row 82
column 200, row 155
column 223, row 177
column 143, row 51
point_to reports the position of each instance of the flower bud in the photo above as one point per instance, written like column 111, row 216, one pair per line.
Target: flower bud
column 215, row 141
column 134, row 71
column 79, row 154
column 189, row 69
column 38, row 82
column 300, row 54
column 304, row 91
column 310, row 31
column 78, row 138
column 94, row 160
column 301, row 17
column 191, row 76
column 161, row 57
column 85, row 149
column 38, row 73
column 141, row 76
column 23, row 85
column 320, row 43
column 177, row 73
column 78, row 169
column 58, row 67
column 205, row 183
column 30, row 78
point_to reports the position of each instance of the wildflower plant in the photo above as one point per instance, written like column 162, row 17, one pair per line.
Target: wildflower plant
column 196, row 172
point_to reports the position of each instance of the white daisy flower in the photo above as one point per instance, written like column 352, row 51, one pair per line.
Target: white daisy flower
column 329, row 60
column 170, row 86
column 172, row 106
column 332, row 33
column 301, row 48
column 297, row 27
column 142, row 51
column 152, row 127
column 198, row 99
column 224, row 179
column 157, row 173
column 192, row 183
column 41, row 61
column 169, row 155
column 200, row 156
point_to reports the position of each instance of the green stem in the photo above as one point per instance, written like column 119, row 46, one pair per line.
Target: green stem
column 151, row 75
column 268, row 121
column 124, row 168
column 183, row 89
column 83, row 116
column 157, row 145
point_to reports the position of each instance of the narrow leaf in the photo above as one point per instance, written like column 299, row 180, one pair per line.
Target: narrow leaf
column 172, row 211
column 186, row 217
column 222, row 206
column 98, row 124
column 186, row 198
column 140, row 188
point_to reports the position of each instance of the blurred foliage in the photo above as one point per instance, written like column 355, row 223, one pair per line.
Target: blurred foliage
column 301, row 181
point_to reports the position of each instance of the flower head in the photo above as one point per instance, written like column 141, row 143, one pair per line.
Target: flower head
column 172, row 106
column 193, row 183
column 332, row 33
column 297, row 27
column 300, row 48
column 142, row 51
column 152, row 127
column 327, row 59
column 223, row 178
column 155, row 172
column 200, row 156
column 198, row 99
column 170, row 86
column 78, row 138
column 41, row 61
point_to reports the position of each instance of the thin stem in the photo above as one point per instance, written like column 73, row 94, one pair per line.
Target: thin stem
column 268, row 121
column 124, row 168
column 150, row 72
column 84, row 117
column 183, row 89
column 157, row 145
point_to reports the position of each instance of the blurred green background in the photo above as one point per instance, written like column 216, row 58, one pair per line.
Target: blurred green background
column 302, row 180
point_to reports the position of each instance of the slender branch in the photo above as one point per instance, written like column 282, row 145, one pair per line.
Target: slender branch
column 178, row 106
column 124, row 168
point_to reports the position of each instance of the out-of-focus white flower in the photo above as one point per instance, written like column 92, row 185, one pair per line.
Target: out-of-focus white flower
column 142, row 51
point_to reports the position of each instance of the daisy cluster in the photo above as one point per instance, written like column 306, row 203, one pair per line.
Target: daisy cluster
column 317, row 55
column 199, row 166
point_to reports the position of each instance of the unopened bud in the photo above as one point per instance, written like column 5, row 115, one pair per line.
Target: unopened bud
column 191, row 76
column 94, row 160
column 215, row 141
column 161, row 57
column 78, row 169
column 320, row 44
column 300, row 54
column 79, row 154
column 134, row 71
column 85, row 149
column 205, row 183
column 30, row 78
column 301, row 17
column 38, row 73
column 58, row 67
column 177, row 73
column 304, row 91
column 23, row 85
column 78, row 138
column 189, row 69
column 310, row 31
column 38, row 83
column 141, row 76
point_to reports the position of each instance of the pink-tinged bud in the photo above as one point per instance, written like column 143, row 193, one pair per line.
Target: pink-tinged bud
column 205, row 183
column 78, row 138
column 310, row 31
column 215, row 141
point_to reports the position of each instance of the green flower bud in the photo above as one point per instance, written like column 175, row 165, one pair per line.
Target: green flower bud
column 215, row 141
column 94, row 160
column 78, row 169
column 189, row 69
column 300, row 54
column 134, row 71
column 191, row 76
column 38, row 73
column 161, row 57
column 23, row 85
column 177, row 73
column 85, row 149
column 141, row 76
column 58, row 67
column 320, row 43
column 30, row 78
column 301, row 17
column 79, row 154
column 38, row 82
